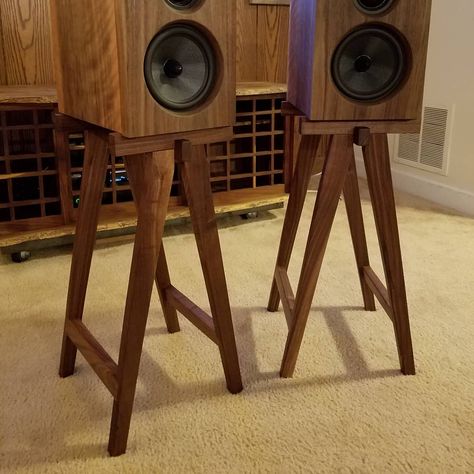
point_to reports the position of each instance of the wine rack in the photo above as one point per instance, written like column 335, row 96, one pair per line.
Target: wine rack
column 41, row 174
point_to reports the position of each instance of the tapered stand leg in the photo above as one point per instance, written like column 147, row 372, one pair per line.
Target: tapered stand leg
column 93, row 178
column 162, row 280
column 299, row 187
column 195, row 175
column 379, row 177
column 356, row 224
column 150, row 177
column 332, row 181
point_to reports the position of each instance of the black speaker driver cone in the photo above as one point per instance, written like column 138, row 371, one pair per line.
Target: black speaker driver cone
column 180, row 67
column 182, row 4
column 373, row 7
column 370, row 63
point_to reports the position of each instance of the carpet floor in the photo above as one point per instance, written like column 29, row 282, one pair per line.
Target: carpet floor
column 348, row 409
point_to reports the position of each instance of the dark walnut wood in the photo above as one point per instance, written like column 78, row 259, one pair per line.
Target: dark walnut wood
column 151, row 177
column 195, row 174
column 299, row 186
column 339, row 175
column 330, row 188
column 99, row 69
column 379, row 177
column 95, row 166
column 316, row 29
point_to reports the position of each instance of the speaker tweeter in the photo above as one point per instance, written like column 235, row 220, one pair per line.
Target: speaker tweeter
column 373, row 7
column 182, row 4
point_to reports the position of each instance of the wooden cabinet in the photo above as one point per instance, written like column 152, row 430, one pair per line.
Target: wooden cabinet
column 262, row 42
column 39, row 183
column 25, row 43
column 40, row 180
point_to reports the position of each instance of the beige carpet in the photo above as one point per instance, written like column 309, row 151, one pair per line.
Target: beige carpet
column 347, row 409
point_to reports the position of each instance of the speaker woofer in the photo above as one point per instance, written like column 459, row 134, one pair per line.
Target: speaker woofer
column 373, row 7
column 182, row 4
column 370, row 63
column 180, row 67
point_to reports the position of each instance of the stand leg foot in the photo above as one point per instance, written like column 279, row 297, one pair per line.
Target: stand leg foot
column 195, row 174
column 150, row 176
column 377, row 163
column 93, row 178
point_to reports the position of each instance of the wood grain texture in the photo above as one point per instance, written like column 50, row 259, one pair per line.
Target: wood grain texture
column 262, row 42
column 62, row 146
column 253, row 88
column 192, row 312
column 299, row 186
column 346, row 128
column 123, row 216
column 95, row 167
column 122, row 146
column 330, row 188
column 246, row 41
column 269, row 2
column 104, row 83
column 94, row 353
column 318, row 26
column 150, row 176
column 286, row 294
column 28, row 95
column 356, row 225
column 272, row 52
column 163, row 283
column 86, row 61
column 25, row 43
column 378, row 289
column 26, row 24
column 195, row 174
column 379, row 178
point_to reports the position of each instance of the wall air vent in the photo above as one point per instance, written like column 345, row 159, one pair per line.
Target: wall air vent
column 428, row 150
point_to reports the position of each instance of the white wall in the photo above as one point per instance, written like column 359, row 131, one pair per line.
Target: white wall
column 449, row 80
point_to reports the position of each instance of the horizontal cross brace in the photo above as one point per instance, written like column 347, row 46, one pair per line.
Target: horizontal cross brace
column 94, row 353
column 286, row 294
column 192, row 312
column 379, row 290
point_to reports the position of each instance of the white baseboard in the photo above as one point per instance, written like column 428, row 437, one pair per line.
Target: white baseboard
column 447, row 196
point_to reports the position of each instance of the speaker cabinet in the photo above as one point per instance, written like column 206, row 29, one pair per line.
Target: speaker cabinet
column 358, row 59
column 146, row 67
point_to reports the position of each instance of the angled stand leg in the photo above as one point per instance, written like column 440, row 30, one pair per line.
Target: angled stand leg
column 356, row 224
column 330, row 188
column 377, row 163
column 299, row 187
column 195, row 175
column 93, row 178
column 162, row 280
column 150, row 177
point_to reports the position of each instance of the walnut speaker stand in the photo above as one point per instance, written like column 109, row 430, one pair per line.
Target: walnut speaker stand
column 150, row 176
column 339, row 176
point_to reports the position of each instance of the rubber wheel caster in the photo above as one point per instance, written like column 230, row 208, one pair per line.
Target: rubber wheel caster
column 20, row 257
column 250, row 215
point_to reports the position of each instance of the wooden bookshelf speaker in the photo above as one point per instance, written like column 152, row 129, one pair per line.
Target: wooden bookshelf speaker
column 358, row 59
column 356, row 73
column 152, row 82
column 146, row 68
